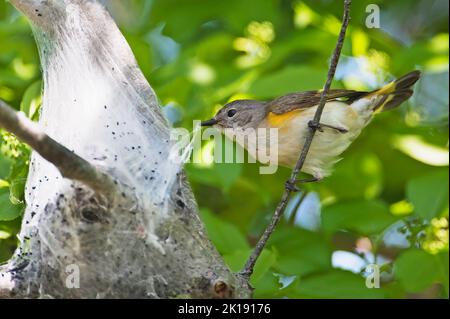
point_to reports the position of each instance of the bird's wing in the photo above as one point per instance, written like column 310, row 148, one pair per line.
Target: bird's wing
column 306, row 99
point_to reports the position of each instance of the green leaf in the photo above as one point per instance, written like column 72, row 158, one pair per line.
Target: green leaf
column 225, row 236
column 290, row 79
column 8, row 211
column 429, row 194
column 5, row 164
column 18, row 178
column 31, row 100
column 16, row 190
column 266, row 260
column 416, row 270
column 443, row 260
column 335, row 284
column 362, row 170
column 267, row 287
column 365, row 217
column 237, row 259
column 221, row 175
column 300, row 251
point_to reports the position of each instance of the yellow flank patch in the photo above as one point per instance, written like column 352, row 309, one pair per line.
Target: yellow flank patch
column 278, row 120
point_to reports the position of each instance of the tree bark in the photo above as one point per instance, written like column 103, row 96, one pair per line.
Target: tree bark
column 137, row 237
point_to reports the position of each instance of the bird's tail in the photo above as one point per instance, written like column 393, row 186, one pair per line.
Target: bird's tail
column 396, row 92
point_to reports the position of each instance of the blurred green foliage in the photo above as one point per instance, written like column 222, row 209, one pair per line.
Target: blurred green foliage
column 387, row 201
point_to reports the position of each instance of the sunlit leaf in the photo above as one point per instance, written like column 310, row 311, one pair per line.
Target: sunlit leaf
column 422, row 151
column 4, row 234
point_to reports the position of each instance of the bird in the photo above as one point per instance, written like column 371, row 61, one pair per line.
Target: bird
column 346, row 113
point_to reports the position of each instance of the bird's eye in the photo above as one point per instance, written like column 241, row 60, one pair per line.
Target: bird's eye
column 231, row 112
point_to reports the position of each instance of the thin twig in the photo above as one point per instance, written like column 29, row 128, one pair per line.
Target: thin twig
column 250, row 264
column 69, row 164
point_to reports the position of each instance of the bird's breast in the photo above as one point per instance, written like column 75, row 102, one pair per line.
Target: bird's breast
column 327, row 145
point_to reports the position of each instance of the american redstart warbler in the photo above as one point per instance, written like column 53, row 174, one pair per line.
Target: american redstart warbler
column 345, row 114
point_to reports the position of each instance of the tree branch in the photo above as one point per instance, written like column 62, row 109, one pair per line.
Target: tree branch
column 147, row 243
column 69, row 164
column 250, row 264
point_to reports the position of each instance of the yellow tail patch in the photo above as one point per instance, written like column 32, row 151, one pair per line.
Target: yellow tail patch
column 387, row 89
column 380, row 108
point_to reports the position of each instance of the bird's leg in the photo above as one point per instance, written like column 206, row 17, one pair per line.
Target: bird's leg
column 308, row 180
column 294, row 188
column 320, row 126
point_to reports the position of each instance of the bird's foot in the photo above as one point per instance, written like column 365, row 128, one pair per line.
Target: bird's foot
column 319, row 127
column 290, row 186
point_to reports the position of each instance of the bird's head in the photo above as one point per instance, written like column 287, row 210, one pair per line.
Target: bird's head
column 239, row 114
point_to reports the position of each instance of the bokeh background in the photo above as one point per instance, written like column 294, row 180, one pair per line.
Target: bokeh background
column 387, row 201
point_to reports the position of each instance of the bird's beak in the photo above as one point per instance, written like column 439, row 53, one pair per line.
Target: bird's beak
column 210, row 122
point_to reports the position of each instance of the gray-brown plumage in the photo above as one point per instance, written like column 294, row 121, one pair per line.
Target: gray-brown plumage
column 302, row 100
